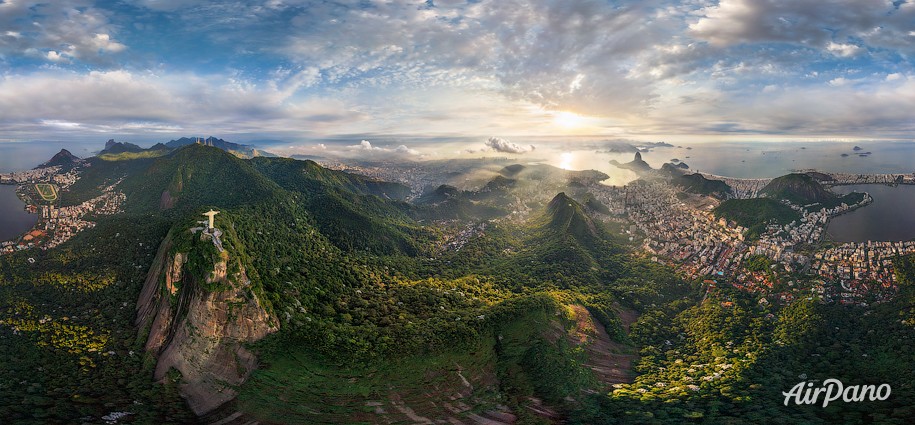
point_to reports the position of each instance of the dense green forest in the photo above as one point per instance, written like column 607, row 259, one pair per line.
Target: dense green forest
column 755, row 214
column 69, row 347
column 376, row 312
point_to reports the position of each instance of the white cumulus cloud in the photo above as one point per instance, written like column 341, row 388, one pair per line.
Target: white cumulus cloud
column 499, row 144
column 843, row 50
column 367, row 146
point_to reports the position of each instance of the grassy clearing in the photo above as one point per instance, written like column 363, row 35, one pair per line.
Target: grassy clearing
column 125, row 156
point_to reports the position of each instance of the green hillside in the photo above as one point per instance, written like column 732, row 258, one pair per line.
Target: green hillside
column 755, row 214
column 440, row 194
column 63, row 159
column 697, row 183
column 448, row 202
column 566, row 216
column 495, row 321
column 130, row 155
column 804, row 189
column 499, row 183
column 798, row 188
column 505, row 359
column 308, row 176
column 113, row 147
column 353, row 211
column 197, row 175
column 593, row 204
column 545, row 319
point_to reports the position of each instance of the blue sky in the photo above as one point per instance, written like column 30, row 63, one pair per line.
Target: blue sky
column 311, row 70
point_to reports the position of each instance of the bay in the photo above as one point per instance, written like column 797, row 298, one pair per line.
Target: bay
column 891, row 217
column 748, row 159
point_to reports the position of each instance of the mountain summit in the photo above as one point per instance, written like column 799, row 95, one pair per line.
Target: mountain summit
column 63, row 158
column 637, row 164
column 112, row 147
column 567, row 216
column 798, row 188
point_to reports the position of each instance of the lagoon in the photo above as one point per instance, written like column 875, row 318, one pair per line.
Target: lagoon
column 14, row 220
column 891, row 217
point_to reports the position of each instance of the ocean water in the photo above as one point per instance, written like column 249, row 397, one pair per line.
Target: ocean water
column 14, row 220
column 21, row 156
column 891, row 217
column 753, row 159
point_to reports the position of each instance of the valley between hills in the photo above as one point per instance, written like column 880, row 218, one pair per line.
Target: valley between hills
column 327, row 297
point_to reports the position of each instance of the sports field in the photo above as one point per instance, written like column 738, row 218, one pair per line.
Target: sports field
column 47, row 191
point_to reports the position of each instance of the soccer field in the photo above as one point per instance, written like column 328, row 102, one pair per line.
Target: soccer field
column 47, row 191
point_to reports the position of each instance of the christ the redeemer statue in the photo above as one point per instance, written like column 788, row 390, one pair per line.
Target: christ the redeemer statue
column 211, row 214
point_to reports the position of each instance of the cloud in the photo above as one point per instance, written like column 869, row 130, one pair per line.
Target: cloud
column 354, row 69
column 58, row 31
column 843, row 50
column 406, row 150
column 500, row 45
column 167, row 5
column 864, row 108
column 366, row 146
column 502, row 145
column 132, row 103
column 55, row 57
column 824, row 24
column 103, row 42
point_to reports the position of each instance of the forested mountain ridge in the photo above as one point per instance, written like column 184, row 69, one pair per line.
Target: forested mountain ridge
column 331, row 256
column 359, row 308
column 308, row 176
column 197, row 175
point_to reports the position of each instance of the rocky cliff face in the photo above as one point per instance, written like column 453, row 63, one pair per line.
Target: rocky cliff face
column 200, row 332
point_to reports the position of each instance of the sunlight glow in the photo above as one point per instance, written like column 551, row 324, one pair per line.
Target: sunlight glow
column 565, row 160
column 568, row 119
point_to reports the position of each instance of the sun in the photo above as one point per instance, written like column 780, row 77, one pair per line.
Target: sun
column 568, row 119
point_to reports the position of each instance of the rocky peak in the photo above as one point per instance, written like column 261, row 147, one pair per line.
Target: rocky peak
column 198, row 325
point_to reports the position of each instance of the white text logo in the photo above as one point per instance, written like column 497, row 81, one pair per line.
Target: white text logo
column 832, row 390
